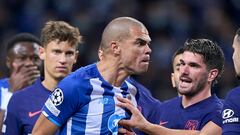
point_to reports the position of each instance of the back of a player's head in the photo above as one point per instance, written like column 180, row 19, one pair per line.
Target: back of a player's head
column 118, row 30
column 212, row 53
column 22, row 37
column 60, row 31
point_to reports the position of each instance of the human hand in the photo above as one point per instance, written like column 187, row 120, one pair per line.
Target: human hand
column 22, row 76
column 124, row 131
column 136, row 121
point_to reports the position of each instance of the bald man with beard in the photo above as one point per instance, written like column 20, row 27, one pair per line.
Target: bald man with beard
column 85, row 101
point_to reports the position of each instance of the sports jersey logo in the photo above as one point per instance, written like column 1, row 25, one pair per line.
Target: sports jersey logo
column 113, row 123
column 163, row 123
column 227, row 113
column 57, row 97
column 32, row 114
column 191, row 125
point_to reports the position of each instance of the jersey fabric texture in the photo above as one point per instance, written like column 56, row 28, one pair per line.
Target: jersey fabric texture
column 24, row 109
column 231, row 113
column 194, row 117
column 146, row 104
column 84, row 103
column 5, row 94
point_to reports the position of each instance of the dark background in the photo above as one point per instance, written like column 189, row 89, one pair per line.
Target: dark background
column 170, row 23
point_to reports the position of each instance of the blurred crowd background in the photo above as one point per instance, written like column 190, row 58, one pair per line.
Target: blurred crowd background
column 170, row 23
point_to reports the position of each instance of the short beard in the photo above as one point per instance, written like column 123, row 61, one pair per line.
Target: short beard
column 199, row 88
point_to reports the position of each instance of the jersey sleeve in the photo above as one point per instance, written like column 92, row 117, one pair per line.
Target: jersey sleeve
column 231, row 113
column 12, row 124
column 63, row 102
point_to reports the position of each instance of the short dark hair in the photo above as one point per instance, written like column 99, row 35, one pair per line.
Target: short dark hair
column 61, row 31
column 238, row 32
column 211, row 52
column 22, row 37
column 180, row 50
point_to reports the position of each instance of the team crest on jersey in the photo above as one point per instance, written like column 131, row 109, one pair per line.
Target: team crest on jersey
column 57, row 97
column 113, row 123
column 191, row 125
column 228, row 116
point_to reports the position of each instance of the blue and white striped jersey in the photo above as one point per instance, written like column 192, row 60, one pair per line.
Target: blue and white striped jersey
column 84, row 103
column 5, row 94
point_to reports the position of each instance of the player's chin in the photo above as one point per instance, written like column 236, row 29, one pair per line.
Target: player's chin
column 62, row 75
column 141, row 70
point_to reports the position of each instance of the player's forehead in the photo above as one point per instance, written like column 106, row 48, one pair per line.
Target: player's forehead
column 191, row 57
column 139, row 33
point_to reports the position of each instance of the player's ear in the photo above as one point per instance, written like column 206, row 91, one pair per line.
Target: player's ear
column 172, row 79
column 115, row 47
column 213, row 73
column 41, row 53
column 8, row 62
column 76, row 56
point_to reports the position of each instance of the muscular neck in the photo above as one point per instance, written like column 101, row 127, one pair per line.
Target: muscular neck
column 112, row 73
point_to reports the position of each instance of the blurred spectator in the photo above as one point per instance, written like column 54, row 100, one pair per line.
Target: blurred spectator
column 23, row 63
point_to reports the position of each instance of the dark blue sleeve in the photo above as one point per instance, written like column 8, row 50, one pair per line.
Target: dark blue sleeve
column 12, row 125
column 231, row 113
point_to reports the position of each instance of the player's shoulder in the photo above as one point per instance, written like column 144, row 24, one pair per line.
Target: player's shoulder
column 233, row 95
column 83, row 73
column 4, row 82
column 23, row 93
column 235, row 92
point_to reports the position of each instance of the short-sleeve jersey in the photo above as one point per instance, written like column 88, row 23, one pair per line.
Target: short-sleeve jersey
column 173, row 115
column 5, row 94
column 231, row 113
column 24, row 109
column 84, row 103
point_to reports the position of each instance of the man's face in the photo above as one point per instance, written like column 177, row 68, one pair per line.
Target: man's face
column 24, row 54
column 135, row 51
column 236, row 55
column 175, row 74
column 193, row 74
column 59, row 58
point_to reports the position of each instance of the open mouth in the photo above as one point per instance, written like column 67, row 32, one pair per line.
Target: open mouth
column 184, row 82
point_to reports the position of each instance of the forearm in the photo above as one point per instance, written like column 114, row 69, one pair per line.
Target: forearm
column 154, row 129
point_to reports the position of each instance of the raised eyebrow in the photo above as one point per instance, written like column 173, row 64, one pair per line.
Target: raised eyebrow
column 143, row 40
column 194, row 64
column 69, row 51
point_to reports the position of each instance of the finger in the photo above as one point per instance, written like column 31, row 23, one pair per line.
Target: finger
column 16, row 67
column 29, row 69
column 124, row 100
column 124, row 123
column 125, row 131
column 122, row 131
column 127, row 106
